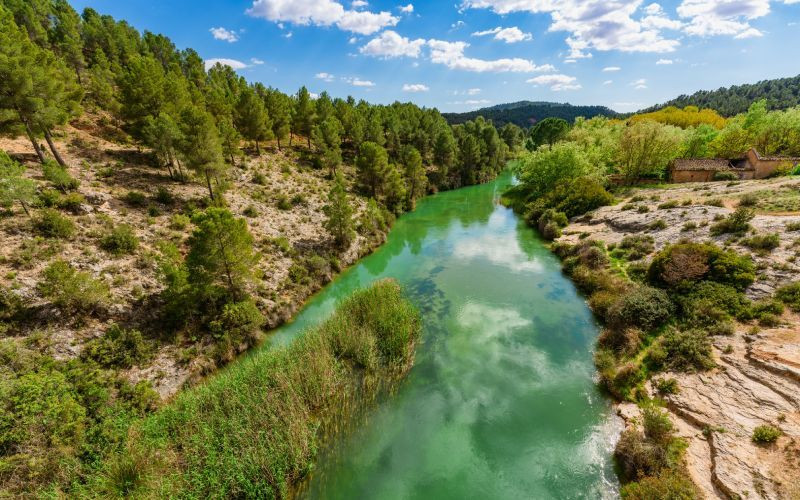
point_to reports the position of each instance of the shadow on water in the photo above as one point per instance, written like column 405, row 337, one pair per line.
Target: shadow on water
column 501, row 402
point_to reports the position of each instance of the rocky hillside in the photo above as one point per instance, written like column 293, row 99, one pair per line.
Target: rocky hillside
column 279, row 193
column 756, row 380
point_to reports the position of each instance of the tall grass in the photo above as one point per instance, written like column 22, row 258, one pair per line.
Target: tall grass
column 254, row 430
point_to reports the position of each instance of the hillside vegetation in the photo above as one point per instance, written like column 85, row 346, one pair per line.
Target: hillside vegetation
column 526, row 113
column 157, row 218
column 781, row 93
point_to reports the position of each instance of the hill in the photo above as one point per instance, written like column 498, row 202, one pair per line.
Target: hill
column 527, row 113
column 781, row 93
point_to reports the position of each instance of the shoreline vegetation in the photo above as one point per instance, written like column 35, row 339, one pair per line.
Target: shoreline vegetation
column 660, row 306
column 255, row 429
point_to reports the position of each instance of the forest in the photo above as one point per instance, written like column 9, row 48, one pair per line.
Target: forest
column 781, row 93
column 526, row 114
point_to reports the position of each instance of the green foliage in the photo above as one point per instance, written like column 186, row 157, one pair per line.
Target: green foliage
column 372, row 164
column 59, row 177
column 636, row 247
column 667, row 386
column 371, row 335
column 238, row 324
column 520, row 113
column 120, row 240
column 572, row 197
column 644, row 307
column 725, row 176
column 678, row 266
column 136, row 199
column 790, row 295
column 646, row 148
column 764, row 434
column 542, row 171
column 763, row 242
column 120, row 348
column 667, row 485
column 51, row 224
column 548, row 131
column 736, row 223
column 687, row 350
column 14, row 186
column 339, row 222
column 550, row 224
column 72, row 291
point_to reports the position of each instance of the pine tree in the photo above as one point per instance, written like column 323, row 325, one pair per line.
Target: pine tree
column 164, row 135
column 416, row 180
column 65, row 36
column 221, row 253
column 200, row 146
column 14, row 186
column 251, row 118
column 372, row 164
column 279, row 107
column 327, row 140
column 303, row 120
column 340, row 214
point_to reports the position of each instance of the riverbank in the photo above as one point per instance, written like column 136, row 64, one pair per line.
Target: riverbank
column 754, row 375
column 255, row 429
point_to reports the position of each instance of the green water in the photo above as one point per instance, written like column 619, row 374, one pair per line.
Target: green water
column 501, row 401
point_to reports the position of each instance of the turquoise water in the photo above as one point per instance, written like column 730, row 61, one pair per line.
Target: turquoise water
column 501, row 402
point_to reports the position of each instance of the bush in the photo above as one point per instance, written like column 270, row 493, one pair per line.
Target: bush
column 637, row 246
column 51, row 224
column 672, row 485
column 250, row 211
column 624, row 341
column 283, row 202
column 120, row 240
column 119, row 348
column 259, row 178
column 72, row 291
column 592, row 257
column 763, row 242
column 551, row 231
column 681, row 265
column 766, row 434
column 136, row 199
column 551, row 222
column 748, row 200
column 644, row 307
column 573, row 198
column 164, row 196
column 49, row 198
column 657, row 225
column 238, row 327
column 59, row 176
column 725, row 175
column 736, row 223
column 71, row 202
column 666, row 386
column 179, row 222
column 790, row 295
column 709, row 302
column 639, row 457
column 688, row 350
column 668, row 205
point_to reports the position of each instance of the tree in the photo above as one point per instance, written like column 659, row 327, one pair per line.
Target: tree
column 512, row 135
column 444, row 153
column 221, row 253
column 326, row 138
column 303, row 120
column 646, row 147
column 540, row 172
column 548, row 131
column 394, row 189
column 200, row 146
column 34, row 87
column 164, row 136
column 416, row 180
column 14, row 186
column 229, row 137
column 372, row 164
column 279, row 107
column 65, row 36
column 340, row 214
column 251, row 118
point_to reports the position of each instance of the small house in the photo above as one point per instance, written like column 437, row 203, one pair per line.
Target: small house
column 752, row 166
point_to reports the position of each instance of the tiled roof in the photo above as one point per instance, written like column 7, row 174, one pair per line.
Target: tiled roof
column 701, row 164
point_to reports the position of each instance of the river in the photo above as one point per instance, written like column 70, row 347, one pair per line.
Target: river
column 501, row 402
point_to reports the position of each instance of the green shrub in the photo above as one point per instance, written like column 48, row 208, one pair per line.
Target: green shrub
column 120, row 240
column 49, row 198
column 259, row 178
column 51, row 224
column 179, row 222
column 709, row 302
column 736, row 223
column 592, row 256
column 669, row 484
column 666, row 386
column 136, row 199
column 790, row 295
column 298, row 199
column 639, row 457
column 681, row 265
column 621, row 340
column 551, row 231
column 573, row 197
column 748, row 200
column 550, row 223
column 668, row 205
column 657, row 225
column 793, row 226
column 250, row 211
column 637, row 246
column 688, row 350
column 763, row 242
column 120, row 348
column 283, row 202
column 644, row 307
column 715, row 202
column 643, row 209
column 725, row 175
column 71, row 290
column 766, row 434
column 164, row 196
column 71, row 202
column 239, row 324
column 59, row 176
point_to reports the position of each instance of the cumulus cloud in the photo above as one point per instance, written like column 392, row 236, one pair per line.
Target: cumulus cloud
column 611, row 69
column 358, row 82
column 451, row 54
column 556, row 82
column 390, row 44
column 639, row 84
column 662, row 62
column 406, row 9
column 325, row 77
column 224, row 35
column 323, row 13
column 508, row 35
column 415, row 87
column 233, row 63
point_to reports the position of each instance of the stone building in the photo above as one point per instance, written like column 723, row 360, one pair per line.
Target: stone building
column 752, row 166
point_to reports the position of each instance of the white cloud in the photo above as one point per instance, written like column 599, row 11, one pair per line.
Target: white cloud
column 224, row 35
column 556, row 82
column 508, row 35
column 256, row 61
column 611, row 69
column 608, row 82
column 390, row 44
column 415, row 87
column 357, row 4
column 662, row 62
column 407, row 9
column 473, row 91
column 233, row 63
column 723, row 17
column 451, row 54
column 639, row 84
column 322, row 13
column 358, row 82
column 326, row 77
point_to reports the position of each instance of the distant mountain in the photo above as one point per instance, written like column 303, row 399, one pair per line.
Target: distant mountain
column 527, row 113
column 781, row 94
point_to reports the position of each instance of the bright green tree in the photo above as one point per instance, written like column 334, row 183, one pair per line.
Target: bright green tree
column 279, row 107
column 339, row 212
column 327, row 140
column 251, row 118
column 416, row 180
column 221, row 254
column 164, row 136
column 372, row 164
column 200, row 147
column 14, row 186
column 548, row 131
column 303, row 119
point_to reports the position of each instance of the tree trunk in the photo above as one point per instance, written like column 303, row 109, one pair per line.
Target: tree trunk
column 258, row 149
column 32, row 138
column 291, row 136
column 182, row 177
column 57, row 156
column 279, row 144
column 309, row 141
column 25, row 207
column 208, row 183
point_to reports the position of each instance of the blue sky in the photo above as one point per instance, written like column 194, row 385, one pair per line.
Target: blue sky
column 459, row 55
